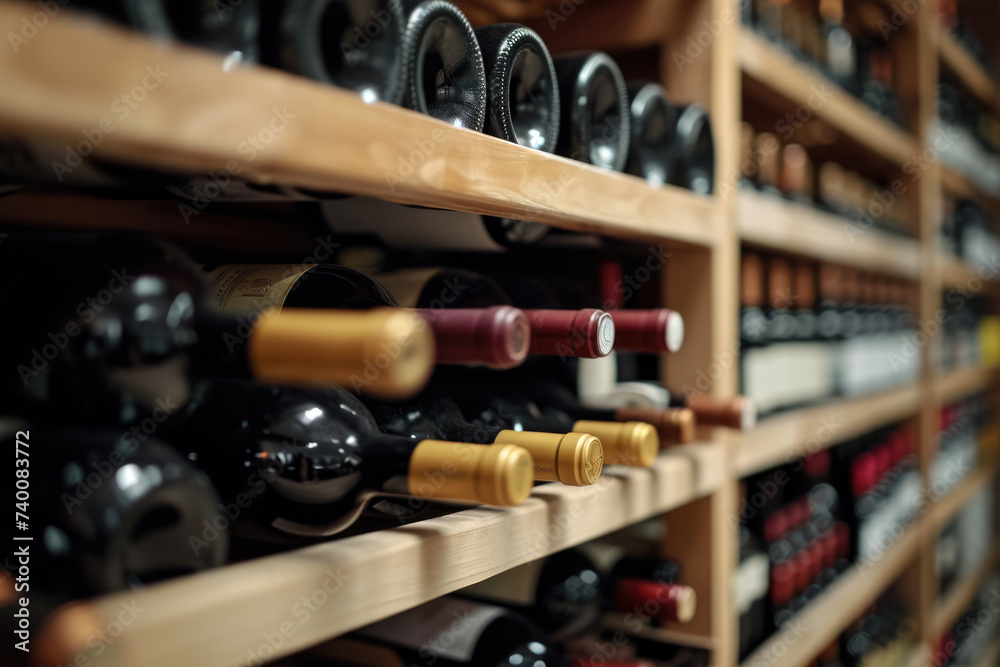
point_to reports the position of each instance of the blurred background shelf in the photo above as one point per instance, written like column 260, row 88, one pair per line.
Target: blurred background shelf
column 812, row 629
column 778, row 224
column 769, row 67
column 944, row 509
column 221, row 613
column 792, row 435
column 962, row 382
column 199, row 119
column 959, row 61
column 950, row 609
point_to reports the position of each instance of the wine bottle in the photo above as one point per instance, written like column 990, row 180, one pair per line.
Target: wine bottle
column 652, row 122
column 739, row 412
column 565, row 594
column 796, row 174
column 114, row 511
column 748, row 162
column 595, row 114
column 491, row 636
column 753, row 332
column 694, row 164
column 498, row 336
column 307, row 462
column 231, row 29
column 523, row 101
column 767, row 151
column 564, row 333
column 131, row 333
column 839, row 45
column 442, row 65
column 575, row 459
column 353, row 45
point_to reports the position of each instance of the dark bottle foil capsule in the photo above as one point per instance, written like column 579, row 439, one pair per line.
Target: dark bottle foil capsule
column 595, row 124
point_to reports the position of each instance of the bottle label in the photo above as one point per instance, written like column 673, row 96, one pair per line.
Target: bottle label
column 254, row 287
column 447, row 628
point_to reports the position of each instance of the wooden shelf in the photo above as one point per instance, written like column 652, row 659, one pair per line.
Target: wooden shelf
column 796, row 82
column 946, row 508
column 963, row 382
column 221, row 613
column 826, row 617
column 969, row 72
column 789, row 436
column 950, row 609
column 991, row 657
column 775, row 223
column 199, row 118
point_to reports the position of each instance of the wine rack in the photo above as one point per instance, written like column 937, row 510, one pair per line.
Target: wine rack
column 198, row 118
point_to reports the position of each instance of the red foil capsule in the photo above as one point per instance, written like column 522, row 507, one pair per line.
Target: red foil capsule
column 587, row 333
column 499, row 336
column 782, row 584
column 667, row 602
column 652, row 331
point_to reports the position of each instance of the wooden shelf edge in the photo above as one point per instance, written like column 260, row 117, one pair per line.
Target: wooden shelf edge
column 970, row 73
column 802, row 230
column 948, row 611
column 943, row 509
column 226, row 612
column 825, row 618
column 789, row 436
column 780, row 72
column 962, row 382
column 274, row 128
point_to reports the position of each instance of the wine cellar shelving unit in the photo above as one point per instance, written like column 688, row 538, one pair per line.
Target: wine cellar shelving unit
column 62, row 80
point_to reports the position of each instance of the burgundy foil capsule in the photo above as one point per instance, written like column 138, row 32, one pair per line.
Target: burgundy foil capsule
column 497, row 336
column 587, row 333
column 667, row 602
column 652, row 331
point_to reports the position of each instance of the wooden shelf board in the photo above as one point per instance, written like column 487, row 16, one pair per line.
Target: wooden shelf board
column 789, row 436
column 796, row 82
column 776, row 223
column 825, row 618
column 961, row 63
column 950, row 609
column 223, row 613
column 963, row 382
column 200, row 119
column 951, row 504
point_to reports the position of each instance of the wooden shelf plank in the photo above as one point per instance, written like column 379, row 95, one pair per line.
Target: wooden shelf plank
column 963, row 382
column 789, row 436
column 275, row 128
column 222, row 613
column 796, row 82
column 802, row 230
column 950, row 609
column 826, row 617
column 975, row 79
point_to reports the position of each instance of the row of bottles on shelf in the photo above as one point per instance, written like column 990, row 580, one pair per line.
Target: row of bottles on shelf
column 809, row 333
column 804, row 524
column 968, row 135
column 884, row 636
column 850, row 50
column 970, row 334
column 252, row 373
column 974, row 633
column 499, row 79
column 587, row 606
column 965, row 543
column 967, row 434
column 969, row 231
column 787, row 171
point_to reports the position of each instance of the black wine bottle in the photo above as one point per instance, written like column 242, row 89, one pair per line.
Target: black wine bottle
column 130, row 333
column 651, row 140
column 523, row 95
column 442, row 65
column 307, row 462
column 694, row 145
column 595, row 115
column 353, row 45
column 229, row 28
column 574, row 458
column 109, row 510
column 498, row 336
